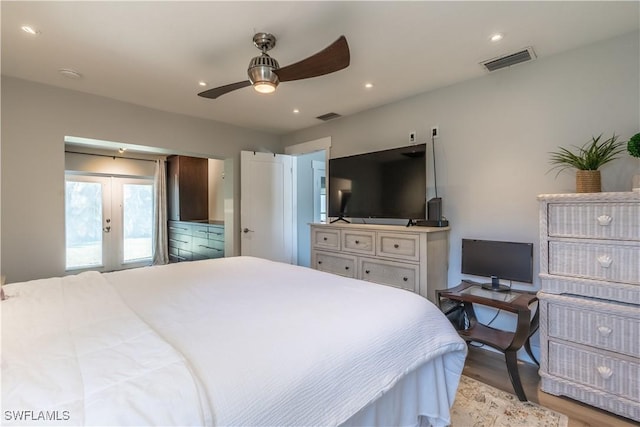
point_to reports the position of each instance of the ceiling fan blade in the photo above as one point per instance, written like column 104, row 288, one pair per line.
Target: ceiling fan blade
column 333, row 58
column 219, row 91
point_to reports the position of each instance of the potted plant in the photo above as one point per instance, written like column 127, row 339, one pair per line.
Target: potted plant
column 587, row 161
column 633, row 147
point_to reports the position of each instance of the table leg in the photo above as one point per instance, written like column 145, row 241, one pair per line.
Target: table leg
column 512, row 368
column 527, row 347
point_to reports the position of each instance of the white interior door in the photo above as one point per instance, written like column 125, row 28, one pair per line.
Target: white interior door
column 266, row 206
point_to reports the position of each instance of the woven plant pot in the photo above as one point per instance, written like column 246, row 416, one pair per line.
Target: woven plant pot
column 588, row 181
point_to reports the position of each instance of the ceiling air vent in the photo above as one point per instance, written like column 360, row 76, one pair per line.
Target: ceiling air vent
column 328, row 116
column 508, row 60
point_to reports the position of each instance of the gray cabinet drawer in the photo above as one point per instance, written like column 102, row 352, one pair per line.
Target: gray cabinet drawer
column 177, row 227
column 343, row 265
column 177, row 255
column 207, row 248
column 362, row 242
column 216, row 233
column 201, row 231
column 180, row 241
column 391, row 273
column 397, row 245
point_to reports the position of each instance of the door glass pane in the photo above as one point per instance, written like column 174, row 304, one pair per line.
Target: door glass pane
column 137, row 213
column 83, row 211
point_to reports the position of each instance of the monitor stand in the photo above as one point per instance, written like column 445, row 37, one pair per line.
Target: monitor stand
column 495, row 285
column 499, row 288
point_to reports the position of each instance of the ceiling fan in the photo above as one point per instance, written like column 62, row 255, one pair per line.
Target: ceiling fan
column 265, row 73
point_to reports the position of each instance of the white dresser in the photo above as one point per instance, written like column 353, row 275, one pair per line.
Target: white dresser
column 412, row 258
column 590, row 299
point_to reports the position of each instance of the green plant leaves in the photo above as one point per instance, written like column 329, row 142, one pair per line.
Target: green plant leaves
column 591, row 156
column 633, row 146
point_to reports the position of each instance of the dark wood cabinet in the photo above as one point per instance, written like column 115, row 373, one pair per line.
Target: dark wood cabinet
column 187, row 188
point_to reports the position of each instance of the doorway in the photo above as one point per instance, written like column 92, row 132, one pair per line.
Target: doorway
column 109, row 222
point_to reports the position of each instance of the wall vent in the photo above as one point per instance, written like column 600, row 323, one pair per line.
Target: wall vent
column 511, row 59
column 328, row 116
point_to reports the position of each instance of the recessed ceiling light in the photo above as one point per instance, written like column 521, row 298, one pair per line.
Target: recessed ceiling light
column 69, row 73
column 496, row 37
column 368, row 85
column 296, row 111
column 30, row 30
column 202, row 83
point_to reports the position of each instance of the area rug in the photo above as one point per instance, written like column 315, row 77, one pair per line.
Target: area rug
column 480, row 405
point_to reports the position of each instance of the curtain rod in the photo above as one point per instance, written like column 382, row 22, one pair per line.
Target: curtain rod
column 106, row 155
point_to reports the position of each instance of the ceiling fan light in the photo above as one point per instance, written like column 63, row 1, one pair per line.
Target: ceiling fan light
column 261, row 74
column 264, row 87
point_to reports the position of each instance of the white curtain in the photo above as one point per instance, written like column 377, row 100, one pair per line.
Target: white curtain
column 160, row 254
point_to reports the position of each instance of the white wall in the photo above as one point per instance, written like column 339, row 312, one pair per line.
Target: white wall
column 35, row 120
column 304, row 201
column 496, row 132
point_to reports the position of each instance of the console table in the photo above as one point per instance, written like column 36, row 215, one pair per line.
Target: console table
column 508, row 342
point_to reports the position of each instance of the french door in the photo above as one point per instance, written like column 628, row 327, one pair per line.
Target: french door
column 108, row 221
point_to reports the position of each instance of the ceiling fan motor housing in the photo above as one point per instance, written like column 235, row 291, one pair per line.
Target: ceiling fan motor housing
column 261, row 70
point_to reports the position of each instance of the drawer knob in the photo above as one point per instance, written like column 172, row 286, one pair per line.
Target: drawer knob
column 367, row 271
column 319, row 262
column 347, row 267
column 604, row 330
column 357, row 242
column 604, row 220
column 405, row 279
column 605, row 372
column 324, row 238
column 396, row 246
column 605, row 261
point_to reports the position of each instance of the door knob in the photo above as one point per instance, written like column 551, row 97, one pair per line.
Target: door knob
column 107, row 229
column 246, row 230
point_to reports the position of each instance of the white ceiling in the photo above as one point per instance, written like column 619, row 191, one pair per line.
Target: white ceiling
column 154, row 53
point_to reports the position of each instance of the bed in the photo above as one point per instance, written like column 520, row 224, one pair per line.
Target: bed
column 225, row 342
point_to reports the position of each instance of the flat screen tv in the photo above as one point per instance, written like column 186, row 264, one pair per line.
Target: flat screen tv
column 382, row 184
column 501, row 260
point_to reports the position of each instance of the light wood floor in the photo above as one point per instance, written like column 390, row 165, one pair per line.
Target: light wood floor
column 490, row 368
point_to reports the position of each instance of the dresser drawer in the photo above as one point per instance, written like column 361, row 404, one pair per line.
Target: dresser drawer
column 391, row 273
column 401, row 246
column 207, row 248
column 343, row 265
column 207, row 253
column 362, row 242
column 216, row 233
column 180, row 241
column 612, row 291
column 595, row 369
column 201, row 231
column 177, row 255
column 325, row 239
column 176, row 227
column 606, row 326
column 618, row 263
column 619, row 221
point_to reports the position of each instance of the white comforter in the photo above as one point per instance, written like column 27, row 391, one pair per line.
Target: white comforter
column 235, row 341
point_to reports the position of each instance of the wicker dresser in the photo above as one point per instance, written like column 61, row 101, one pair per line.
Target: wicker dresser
column 590, row 299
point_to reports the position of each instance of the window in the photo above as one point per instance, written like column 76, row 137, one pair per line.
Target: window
column 109, row 222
